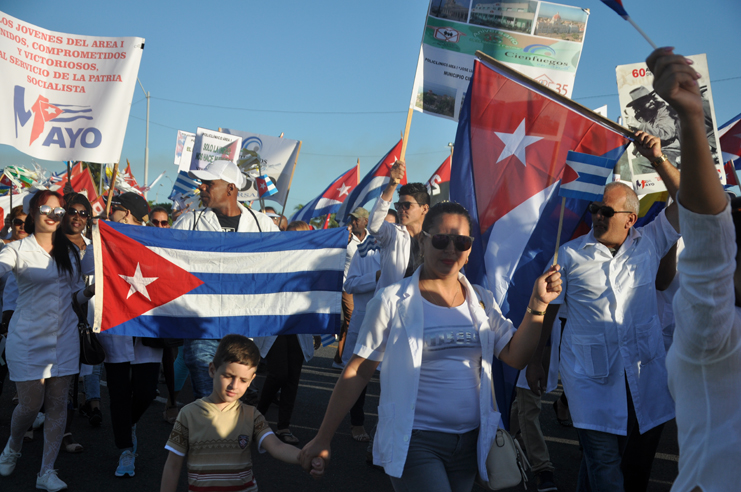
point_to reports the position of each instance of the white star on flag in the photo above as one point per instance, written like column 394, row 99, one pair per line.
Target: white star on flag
column 51, row 110
column 343, row 189
column 138, row 283
column 516, row 143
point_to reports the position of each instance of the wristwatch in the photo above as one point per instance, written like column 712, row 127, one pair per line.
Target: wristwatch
column 659, row 160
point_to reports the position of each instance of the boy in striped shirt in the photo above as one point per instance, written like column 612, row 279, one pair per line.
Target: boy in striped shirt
column 216, row 432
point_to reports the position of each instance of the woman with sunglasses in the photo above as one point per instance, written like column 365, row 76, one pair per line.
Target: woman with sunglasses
column 17, row 219
column 436, row 335
column 76, row 226
column 43, row 346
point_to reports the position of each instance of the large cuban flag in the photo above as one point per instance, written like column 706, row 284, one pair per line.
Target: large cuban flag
column 331, row 199
column 189, row 284
column 372, row 184
column 510, row 154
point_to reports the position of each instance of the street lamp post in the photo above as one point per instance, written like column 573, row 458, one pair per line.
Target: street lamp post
column 146, row 142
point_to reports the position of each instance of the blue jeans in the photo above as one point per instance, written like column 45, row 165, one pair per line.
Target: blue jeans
column 198, row 354
column 181, row 370
column 92, row 384
column 617, row 463
column 439, row 461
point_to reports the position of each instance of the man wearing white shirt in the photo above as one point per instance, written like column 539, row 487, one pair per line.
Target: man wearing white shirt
column 399, row 242
column 612, row 353
column 357, row 236
column 221, row 182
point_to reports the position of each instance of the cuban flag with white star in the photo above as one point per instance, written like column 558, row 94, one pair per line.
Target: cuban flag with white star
column 331, row 199
column 510, row 154
column 168, row 283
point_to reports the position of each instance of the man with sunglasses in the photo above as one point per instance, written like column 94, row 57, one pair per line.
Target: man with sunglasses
column 159, row 217
column 129, row 208
column 612, row 352
column 399, row 242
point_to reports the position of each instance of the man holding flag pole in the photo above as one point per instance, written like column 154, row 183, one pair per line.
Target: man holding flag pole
column 612, row 353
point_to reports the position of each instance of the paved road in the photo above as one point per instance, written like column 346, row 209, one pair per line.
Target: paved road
column 93, row 469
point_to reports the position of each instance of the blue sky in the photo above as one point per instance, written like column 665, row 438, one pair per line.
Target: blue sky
column 338, row 75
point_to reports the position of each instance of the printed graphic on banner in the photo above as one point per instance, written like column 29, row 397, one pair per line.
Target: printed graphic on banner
column 644, row 110
column 181, row 146
column 539, row 39
column 212, row 146
column 65, row 97
column 265, row 154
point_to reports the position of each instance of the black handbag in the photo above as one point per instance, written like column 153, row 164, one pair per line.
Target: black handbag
column 91, row 350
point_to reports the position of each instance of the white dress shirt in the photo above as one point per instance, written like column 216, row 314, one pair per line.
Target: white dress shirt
column 704, row 362
column 361, row 283
column 613, row 330
column 395, row 242
column 43, row 340
column 393, row 332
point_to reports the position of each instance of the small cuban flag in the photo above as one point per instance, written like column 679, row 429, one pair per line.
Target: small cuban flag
column 265, row 186
column 585, row 176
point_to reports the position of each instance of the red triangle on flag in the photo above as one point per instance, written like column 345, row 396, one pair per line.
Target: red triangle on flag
column 135, row 279
column 569, row 174
column 49, row 111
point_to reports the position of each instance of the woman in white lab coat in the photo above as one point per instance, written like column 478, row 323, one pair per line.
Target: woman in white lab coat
column 43, row 347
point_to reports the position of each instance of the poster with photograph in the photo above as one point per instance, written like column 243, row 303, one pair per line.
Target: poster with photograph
column 542, row 40
column 642, row 109
column 65, row 97
column 212, row 146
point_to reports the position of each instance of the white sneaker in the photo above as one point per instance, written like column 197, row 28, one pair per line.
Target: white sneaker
column 38, row 421
column 7, row 460
column 50, row 481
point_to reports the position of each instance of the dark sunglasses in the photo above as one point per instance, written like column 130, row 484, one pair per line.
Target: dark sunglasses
column 404, row 205
column 441, row 241
column 160, row 222
column 605, row 210
column 82, row 213
column 18, row 222
column 55, row 213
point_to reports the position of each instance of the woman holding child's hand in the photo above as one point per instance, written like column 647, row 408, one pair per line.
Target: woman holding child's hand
column 436, row 335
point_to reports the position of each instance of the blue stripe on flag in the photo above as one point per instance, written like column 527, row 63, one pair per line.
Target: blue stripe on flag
column 218, row 242
column 218, row 327
column 592, row 179
column 268, row 283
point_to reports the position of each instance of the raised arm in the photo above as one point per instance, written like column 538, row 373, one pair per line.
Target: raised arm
column 676, row 82
column 377, row 217
column 520, row 349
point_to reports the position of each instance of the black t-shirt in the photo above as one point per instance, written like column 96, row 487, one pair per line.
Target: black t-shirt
column 228, row 224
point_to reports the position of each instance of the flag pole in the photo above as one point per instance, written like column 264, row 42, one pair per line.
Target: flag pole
column 69, row 171
column 406, row 134
column 640, row 31
column 110, row 190
column 298, row 151
column 548, row 92
column 560, row 227
column 100, row 185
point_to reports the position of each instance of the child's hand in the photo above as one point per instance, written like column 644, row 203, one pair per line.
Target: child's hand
column 317, row 468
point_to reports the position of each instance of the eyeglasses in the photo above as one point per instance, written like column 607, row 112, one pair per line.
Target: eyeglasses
column 18, row 222
column 605, row 210
column 55, row 213
column 441, row 241
column 159, row 223
column 404, row 205
column 82, row 213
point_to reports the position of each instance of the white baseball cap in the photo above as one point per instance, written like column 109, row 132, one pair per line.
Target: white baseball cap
column 221, row 169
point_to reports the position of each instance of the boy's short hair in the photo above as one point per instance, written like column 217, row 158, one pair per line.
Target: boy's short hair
column 237, row 348
column 418, row 191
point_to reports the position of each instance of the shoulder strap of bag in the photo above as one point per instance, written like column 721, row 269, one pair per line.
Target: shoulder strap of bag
column 254, row 217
